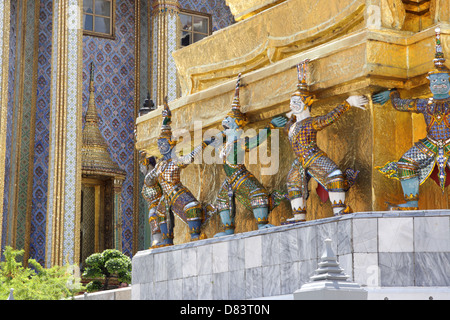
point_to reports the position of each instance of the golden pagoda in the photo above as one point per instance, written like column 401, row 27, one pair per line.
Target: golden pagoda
column 101, row 186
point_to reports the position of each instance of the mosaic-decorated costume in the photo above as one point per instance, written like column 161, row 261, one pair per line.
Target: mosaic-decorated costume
column 241, row 184
column 152, row 193
column 176, row 198
column 429, row 156
column 310, row 160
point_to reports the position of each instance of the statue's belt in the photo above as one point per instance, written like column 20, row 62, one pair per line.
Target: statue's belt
column 238, row 177
column 439, row 143
column 177, row 190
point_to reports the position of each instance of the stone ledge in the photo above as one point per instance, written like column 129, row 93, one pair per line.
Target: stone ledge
column 277, row 261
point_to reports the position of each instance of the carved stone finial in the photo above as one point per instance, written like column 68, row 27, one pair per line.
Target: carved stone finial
column 330, row 282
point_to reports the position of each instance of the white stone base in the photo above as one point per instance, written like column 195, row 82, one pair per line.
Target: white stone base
column 376, row 249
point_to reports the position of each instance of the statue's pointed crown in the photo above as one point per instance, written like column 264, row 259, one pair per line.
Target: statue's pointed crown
column 302, row 85
column 236, row 113
column 166, row 129
column 439, row 59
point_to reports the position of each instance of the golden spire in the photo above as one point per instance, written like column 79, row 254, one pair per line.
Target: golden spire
column 96, row 159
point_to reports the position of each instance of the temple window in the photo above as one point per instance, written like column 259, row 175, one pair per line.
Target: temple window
column 98, row 18
column 194, row 26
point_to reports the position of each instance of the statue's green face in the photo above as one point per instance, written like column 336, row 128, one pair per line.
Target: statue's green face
column 439, row 84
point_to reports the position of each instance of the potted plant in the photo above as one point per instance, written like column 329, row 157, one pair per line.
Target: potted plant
column 106, row 267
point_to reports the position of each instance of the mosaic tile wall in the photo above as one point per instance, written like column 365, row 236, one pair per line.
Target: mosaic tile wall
column 41, row 142
column 114, row 62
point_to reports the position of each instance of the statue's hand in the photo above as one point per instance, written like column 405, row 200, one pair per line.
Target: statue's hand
column 381, row 97
column 358, row 101
column 214, row 142
column 279, row 121
column 210, row 140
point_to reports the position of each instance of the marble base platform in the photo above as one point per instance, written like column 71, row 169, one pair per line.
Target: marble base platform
column 408, row 249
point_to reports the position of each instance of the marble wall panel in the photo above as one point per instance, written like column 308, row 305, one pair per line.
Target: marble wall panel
column 271, row 248
column 189, row 262
column 432, row 269
column 396, row 269
column 204, row 260
column 366, row 270
column 271, row 281
column 237, row 285
column 253, row 283
column 395, row 234
column 220, row 257
column 189, row 288
column 236, row 255
column 221, row 286
column 289, row 247
column 175, row 265
column 307, row 240
column 365, row 235
column 431, row 234
column 205, row 287
column 175, row 289
column 253, row 252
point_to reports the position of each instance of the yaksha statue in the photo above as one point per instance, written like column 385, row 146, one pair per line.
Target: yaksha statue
column 175, row 198
column 310, row 161
column 152, row 193
column 240, row 183
column 432, row 152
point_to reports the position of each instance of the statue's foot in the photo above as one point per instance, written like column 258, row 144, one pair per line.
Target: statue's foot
column 164, row 243
column 198, row 236
column 410, row 205
column 155, row 243
column 226, row 233
column 346, row 210
column 265, row 226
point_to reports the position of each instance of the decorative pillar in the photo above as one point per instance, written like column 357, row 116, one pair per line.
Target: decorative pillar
column 64, row 181
column 165, row 40
column 4, row 68
column 117, row 223
column 24, row 104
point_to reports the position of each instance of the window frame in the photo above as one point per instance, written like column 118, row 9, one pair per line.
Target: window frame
column 112, row 18
column 192, row 32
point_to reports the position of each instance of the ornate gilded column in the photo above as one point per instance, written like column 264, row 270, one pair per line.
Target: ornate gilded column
column 117, row 223
column 165, row 40
column 64, row 181
column 4, row 67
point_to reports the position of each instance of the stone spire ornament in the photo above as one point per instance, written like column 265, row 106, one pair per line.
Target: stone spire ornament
column 330, row 282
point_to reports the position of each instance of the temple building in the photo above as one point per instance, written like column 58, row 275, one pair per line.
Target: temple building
column 70, row 183
column 84, row 84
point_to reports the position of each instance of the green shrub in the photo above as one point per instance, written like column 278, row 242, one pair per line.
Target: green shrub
column 38, row 283
column 106, row 265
